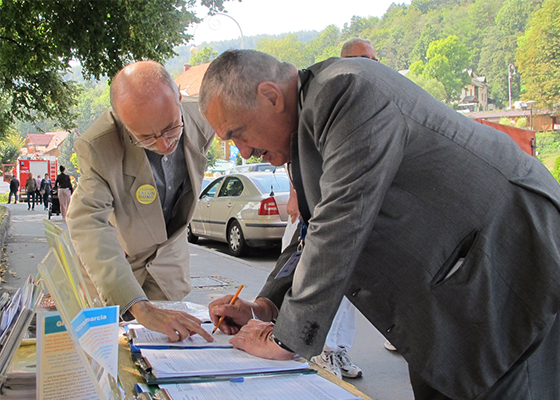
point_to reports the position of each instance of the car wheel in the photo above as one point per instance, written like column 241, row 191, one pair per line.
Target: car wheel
column 236, row 241
column 192, row 238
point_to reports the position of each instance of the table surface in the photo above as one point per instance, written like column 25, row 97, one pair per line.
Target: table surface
column 129, row 374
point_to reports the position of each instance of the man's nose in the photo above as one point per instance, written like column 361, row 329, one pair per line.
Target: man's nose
column 245, row 151
column 162, row 143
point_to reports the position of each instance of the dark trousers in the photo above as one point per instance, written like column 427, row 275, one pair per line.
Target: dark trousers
column 10, row 197
column 535, row 376
column 31, row 200
column 46, row 199
column 38, row 197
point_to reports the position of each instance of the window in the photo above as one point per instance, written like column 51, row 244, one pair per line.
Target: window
column 232, row 187
column 211, row 189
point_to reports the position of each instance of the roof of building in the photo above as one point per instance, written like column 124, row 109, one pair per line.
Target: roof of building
column 39, row 139
column 56, row 141
column 189, row 81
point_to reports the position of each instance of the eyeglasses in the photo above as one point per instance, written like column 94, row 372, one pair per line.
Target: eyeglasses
column 168, row 133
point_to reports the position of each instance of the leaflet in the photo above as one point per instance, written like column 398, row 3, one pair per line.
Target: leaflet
column 294, row 387
column 60, row 371
column 204, row 362
column 97, row 330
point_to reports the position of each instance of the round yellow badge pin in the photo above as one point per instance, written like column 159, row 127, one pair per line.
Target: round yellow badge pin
column 146, row 194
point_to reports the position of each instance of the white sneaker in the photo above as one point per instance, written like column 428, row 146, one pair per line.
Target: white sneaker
column 347, row 367
column 389, row 346
column 328, row 361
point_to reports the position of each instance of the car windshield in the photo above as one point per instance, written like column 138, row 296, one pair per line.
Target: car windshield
column 277, row 182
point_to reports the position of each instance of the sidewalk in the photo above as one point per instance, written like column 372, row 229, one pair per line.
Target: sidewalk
column 385, row 373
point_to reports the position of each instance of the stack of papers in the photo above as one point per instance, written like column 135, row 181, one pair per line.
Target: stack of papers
column 294, row 387
column 205, row 362
column 143, row 337
column 15, row 316
column 196, row 310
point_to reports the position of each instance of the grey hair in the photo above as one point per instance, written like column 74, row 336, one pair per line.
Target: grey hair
column 235, row 76
column 347, row 47
column 140, row 84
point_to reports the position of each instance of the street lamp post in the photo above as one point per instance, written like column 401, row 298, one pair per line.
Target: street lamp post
column 530, row 103
column 511, row 71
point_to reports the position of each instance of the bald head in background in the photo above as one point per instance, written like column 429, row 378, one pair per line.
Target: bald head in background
column 357, row 47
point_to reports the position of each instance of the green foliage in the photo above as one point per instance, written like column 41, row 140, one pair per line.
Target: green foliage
column 539, row 58
column 251, row 160
column 447, row 61
column 430, row 85
column 66, row 154
column 91, row 103
column 548, row 147
column 505, row 121
column 214, row 153
column 288, row 49
column 556, row 169
column 75, row 162
column 204, row 56
column 10, row 147
column 38, row 39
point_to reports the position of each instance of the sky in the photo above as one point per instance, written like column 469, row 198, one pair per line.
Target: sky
column 280, row 16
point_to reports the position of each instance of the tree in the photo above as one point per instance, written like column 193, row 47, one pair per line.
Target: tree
column 447, row 62
column 324, row 43
column 288, row 49
column 214, row 153
column 38, row 39
column 204, row 56
column 538, row 56
column 66, row 154
column 10, row 147
column 430, row 85
column 556, row 169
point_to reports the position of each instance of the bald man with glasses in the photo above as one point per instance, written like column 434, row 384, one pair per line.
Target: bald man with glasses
column 141, row 165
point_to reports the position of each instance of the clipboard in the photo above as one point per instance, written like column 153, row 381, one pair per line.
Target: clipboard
column 145, row 370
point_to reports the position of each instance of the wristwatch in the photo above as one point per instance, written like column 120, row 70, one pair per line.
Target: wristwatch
column 279, row 343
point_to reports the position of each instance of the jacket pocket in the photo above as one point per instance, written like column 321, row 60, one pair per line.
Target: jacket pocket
column 456, row 260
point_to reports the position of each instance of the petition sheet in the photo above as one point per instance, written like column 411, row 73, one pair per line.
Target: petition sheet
column 200, row 362
column 145, row 337
column 293, row 387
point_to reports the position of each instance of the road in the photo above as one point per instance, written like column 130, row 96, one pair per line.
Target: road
column 385, row 373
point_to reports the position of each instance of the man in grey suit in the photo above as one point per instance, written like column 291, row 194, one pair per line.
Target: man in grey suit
column 441, row 231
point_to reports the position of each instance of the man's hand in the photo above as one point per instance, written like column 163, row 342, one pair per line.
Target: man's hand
column 254, row 338
column 177, row 325
column 240, row 312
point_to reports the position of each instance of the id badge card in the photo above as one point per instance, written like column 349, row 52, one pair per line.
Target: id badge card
column 290, row 265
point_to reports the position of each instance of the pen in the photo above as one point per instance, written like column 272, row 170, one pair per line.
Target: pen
column 231, row 302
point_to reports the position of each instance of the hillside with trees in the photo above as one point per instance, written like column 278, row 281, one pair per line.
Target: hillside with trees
column 437, row 41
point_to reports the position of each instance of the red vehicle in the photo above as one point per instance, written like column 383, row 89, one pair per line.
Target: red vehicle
column 30, row 164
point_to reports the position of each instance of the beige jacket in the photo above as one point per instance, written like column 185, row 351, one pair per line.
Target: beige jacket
column 115, row 218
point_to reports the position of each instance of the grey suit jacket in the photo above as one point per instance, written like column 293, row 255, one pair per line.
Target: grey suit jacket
column 442, row 232
column 120, row 238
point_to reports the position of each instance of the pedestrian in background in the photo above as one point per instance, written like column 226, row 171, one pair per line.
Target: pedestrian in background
column 46, row 187
column 38, row 195
column 64, row 186
column 14, row 187
column 31, row 189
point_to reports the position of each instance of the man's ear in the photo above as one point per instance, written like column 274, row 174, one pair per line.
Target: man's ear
column 271, row 94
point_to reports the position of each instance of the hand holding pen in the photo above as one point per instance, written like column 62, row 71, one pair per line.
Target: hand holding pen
column 230, row 303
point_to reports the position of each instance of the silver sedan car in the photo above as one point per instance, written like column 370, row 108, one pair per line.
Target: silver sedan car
column 242, row 209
